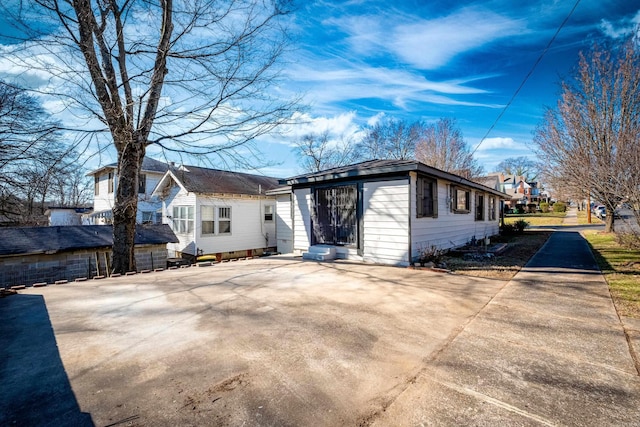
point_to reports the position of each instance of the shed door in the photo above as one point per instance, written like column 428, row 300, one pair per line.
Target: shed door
column 335, row 221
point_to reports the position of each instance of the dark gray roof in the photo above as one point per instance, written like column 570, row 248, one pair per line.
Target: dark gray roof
column 148, row 165
column 36, row 240
column 381, row 168
column 203, row 180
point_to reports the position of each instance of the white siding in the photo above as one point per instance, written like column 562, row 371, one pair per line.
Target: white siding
column 449, row 229
column 179, row 197
column 64, row 217
column 104, row 200
column 248, row 228
column 302, row 219
column 386, row 222
column 284, row 223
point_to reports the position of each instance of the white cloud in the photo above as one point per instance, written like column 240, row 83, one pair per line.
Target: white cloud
column 431, row 43
column 338, row 80
column 343, row 125
column 498, row 143
column 622, row 28
column 426, row 44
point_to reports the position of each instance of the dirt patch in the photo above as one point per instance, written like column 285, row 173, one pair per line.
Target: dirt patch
column 503, row 266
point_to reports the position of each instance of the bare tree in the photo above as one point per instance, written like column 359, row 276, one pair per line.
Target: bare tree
column 30, row 155
column 390, row 139
column 591, row 137
column 321, row 151
column 187, row 76
column 442, row 146
column 519, row 166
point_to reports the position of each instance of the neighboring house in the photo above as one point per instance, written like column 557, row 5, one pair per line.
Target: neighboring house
column 522, row 194
column 216, row 212
column 31, row 255
column 106, row 183
column 66, row 215
column 387, row 211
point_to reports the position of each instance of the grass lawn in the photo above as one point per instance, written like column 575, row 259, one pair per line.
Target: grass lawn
column 537, row 219
column 582, row 218
column 621, row 268
column 521, row 248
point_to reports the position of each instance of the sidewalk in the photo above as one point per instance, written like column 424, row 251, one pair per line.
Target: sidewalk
column 571, row 218
column 549, row 349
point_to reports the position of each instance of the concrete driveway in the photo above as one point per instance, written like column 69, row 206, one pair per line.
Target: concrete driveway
column 272, row 341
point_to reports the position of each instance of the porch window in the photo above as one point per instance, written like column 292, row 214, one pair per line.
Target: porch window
column 142, row 184
column 426, row 197
column 224, row 220
column 268, row 213
column 208, row 221
column 492, row 208
column 110, row 183
column 183, row 219
column 479, row 207
column 334, row 217
column 461, row 200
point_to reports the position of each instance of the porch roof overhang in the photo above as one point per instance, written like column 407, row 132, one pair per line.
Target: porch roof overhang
column 381, row 168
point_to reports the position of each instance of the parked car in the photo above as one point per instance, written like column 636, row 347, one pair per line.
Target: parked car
column 601, row 212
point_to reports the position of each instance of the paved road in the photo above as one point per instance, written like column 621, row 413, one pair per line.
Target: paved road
column 549, row 349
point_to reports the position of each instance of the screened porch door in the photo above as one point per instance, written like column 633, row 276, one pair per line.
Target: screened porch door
column 335, row 219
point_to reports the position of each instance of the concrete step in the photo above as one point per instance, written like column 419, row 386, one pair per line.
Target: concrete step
column 318, row 257
column 323, row 250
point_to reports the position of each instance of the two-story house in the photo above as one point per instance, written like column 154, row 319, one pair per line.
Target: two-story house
column 106, row 182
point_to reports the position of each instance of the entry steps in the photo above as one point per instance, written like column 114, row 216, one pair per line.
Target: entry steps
column 320, row 253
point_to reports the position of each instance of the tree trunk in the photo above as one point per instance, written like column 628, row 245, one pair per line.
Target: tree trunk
column 608, row 224
column 126, row 207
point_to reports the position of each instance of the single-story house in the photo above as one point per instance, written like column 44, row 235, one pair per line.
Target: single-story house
column 31, row 255
column 218, row 213
column 386, row 211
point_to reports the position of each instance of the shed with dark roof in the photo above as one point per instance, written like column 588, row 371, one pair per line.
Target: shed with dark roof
column 47, row 254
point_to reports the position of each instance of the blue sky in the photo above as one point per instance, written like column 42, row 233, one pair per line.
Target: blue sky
column 357, row 61
column 419, row 60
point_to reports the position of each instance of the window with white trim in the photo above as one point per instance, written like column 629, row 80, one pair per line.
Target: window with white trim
column 96, row 185
column 224, row 220
column 207, row 219
column 183, row 219
column 268, row 213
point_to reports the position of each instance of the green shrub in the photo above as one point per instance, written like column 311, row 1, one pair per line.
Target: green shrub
column 559, row 207
column 516, row 227
column 544, row 206
column 520, row 225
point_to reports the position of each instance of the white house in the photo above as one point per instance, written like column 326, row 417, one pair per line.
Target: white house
column 386, row 211
column 106, row 182
column 66, row 215
column 215, row 212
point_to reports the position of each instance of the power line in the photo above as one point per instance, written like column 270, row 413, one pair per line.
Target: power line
column 546, row 49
